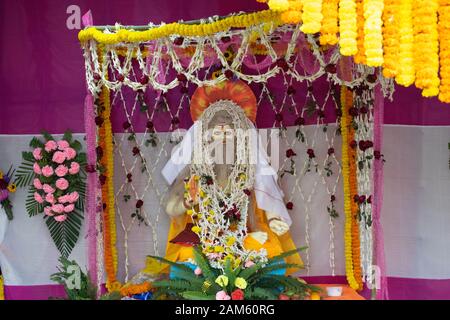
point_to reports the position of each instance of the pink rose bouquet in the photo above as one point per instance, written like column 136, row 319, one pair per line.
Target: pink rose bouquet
column 53, row 171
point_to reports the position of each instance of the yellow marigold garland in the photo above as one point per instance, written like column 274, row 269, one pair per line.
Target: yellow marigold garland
column 353, row 186
column 390, row 38
column 360, row 56
column 133, row 289
column 109, row 219
column 347, row 27
column 405, row 73
column 330, row 28
column 278, row 5
column 373, row 38
column 345, row 124
column 444, row 50
column 182, row 29
column 311, row 16
column 2, row 292
column 426, row 46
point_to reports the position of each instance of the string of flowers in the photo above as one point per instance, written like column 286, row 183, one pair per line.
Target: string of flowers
column 373, row 38
column 2, row 289
column 311, row 16
column 133, row 289
column 426, row 46
column 444, row 49
column 347, row 27
column 182, row 29
column 294, row 14
column 390, row 38
column 360, row 56
column 328, row 33
column 345, row 125
column 107, row 182
column 405, row 74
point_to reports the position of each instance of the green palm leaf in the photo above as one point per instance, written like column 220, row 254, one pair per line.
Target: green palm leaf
column 65, row 234
column 194, row 295
column 261, row 294
column 32, row 206
column 25, row 174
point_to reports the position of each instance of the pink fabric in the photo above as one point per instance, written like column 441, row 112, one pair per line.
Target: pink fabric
column 377, row 205
column 92, row 180
column 42, row 292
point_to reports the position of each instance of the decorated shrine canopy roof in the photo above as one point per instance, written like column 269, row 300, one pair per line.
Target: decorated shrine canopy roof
column 410, row 40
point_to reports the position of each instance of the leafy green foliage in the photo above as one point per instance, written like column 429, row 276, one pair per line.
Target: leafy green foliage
column 262, row 283
column 32, row 206
column 65, row 234
column 25, row 173
column 67, row 271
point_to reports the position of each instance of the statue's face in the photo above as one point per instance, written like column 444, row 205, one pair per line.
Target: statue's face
column 222, row 127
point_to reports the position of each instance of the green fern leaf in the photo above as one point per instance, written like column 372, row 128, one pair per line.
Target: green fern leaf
column 65, row 234
column 194, row 295
column 31, row 205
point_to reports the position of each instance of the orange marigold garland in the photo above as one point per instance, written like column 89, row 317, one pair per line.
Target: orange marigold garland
column 373, row 37
column 107, row 162
column 426, row 46
column 330, row 28
column 2, row 292
column 346, row 100
column 390, row 38
column 347, row 27
column 405, row 73
column 360, row 56
column 132, row 289
column 444, row 49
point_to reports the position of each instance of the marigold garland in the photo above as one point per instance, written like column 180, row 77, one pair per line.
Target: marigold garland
column 426, row 46
column 133, row 289
column 182, row 29
column 2, row 292
column 311, row 16
column 360, row 56
column 373, row 38
column 328, row 33
column 390, row 38
column 353, row 186
column 405, row 74
column 107, row 162
column 345, row 124
column 347, row 27
column 444, row 50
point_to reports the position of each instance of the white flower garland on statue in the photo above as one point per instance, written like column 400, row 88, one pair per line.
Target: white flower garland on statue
column 217, row 239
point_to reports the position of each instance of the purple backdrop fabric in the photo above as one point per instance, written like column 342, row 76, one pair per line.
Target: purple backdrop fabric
column 41, row 64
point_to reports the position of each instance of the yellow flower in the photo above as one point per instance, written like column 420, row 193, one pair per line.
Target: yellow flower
column 222, row 280
column 218, row 249
column 201, row 193
column 190, row 212
column 12, row 187
column 240, row 283
column 347, row 27
column 278, row 5
column 196, row 229
column 312, row 16
column 207, row 202
column 231, row 241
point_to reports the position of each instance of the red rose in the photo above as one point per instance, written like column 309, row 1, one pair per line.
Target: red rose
column 300, row 121
column 229, row 74
column 377, row 154
column 310, row 153
column 330, row 151
column 290, row 153
column 144, row 80
column 247, row 192
column 289, row 205
column 139, row 204
column 237, row 294
column 178, row 41
column 283, row 297
column 181, row 77
column 135, row 151
column 333, row 198
column 120, row 77
column 353, row 144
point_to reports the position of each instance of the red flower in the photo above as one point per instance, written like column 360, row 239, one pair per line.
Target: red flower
column 369, row 199
column 353, row 144
column 178, row 41
column 135, row 151
column 289, row 205
column 362, row 199
column 120, row 77
column 129, row 177
column 290, row 153
column 144, row 80
column 247, row 192
column 356, row 198
column 353, row 111
column 283, row 297
column 99, row 152
column 102, row 179
column 300, row 121
column 279, row 117
column 99, row 121
column 363, row 110
column 291, row 90
column 333, row 198
column 184, row 90
column 175, row 120
column 126, row 125
column 331, row 68
column 226, row 39
column 229, row 74
column 330, row 151
column 97, row 77
column 283, row 64
column 310, row 153
column 181, row 77
column 139, row 204
column 377, row 154
column 237, row 294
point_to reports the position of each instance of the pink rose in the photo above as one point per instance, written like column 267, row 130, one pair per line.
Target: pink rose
column 197, row 271
column 74, row 168
column 62, row 184
column 222, row 295
column 64, row 199
column 63, row 144
column 50, row 198
column 37, row 184
column 73, row 197
column 69, row 208
column 50, row 146
column 36, row 168
column 249, row 264
column 37, row 153
column 59, row 157
column 47, row 171
column 38, row 197
column 61, row 170
column 48, row 211
column 70, row 153
column 48, row 189
column 58, row 208
column 60, row 218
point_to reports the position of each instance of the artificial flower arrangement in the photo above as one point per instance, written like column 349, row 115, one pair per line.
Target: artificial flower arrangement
column 6, row 188
column 54, row 173
column 247, row 281
column 86, row 290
